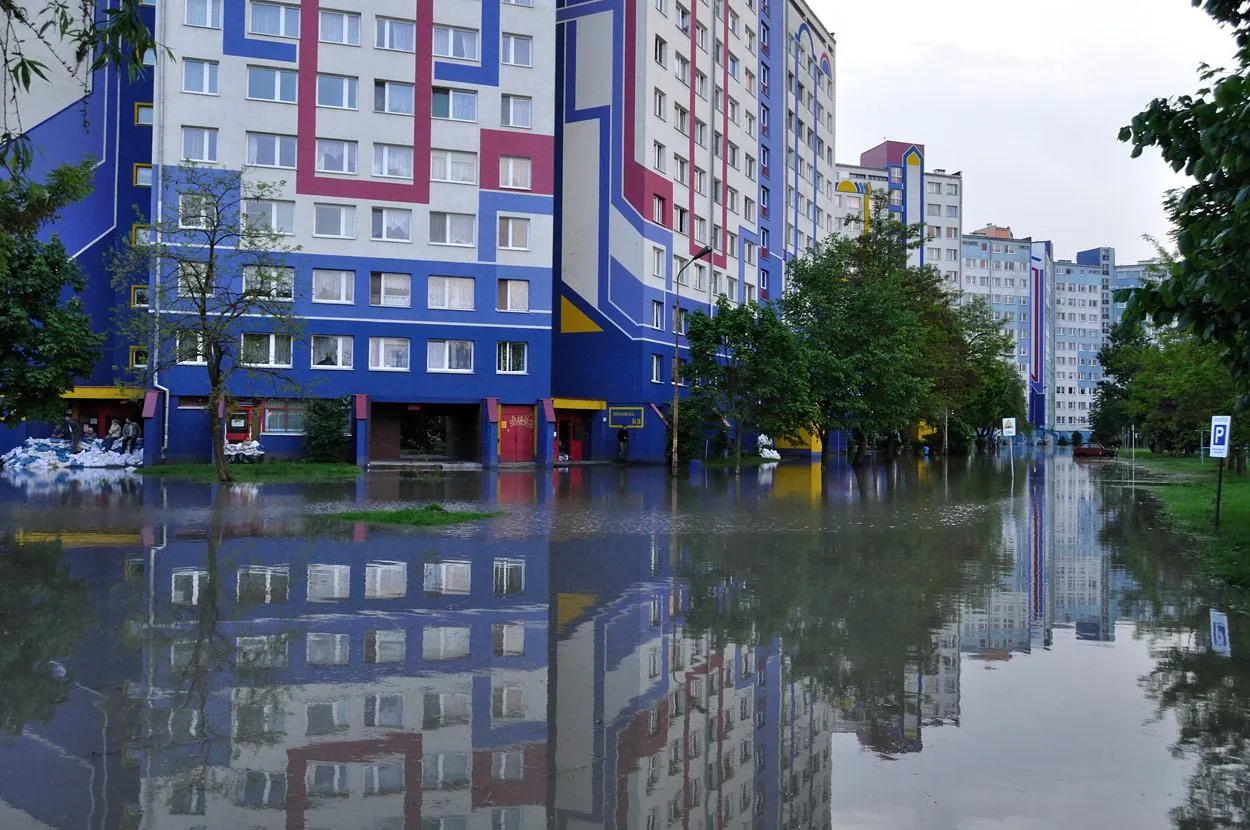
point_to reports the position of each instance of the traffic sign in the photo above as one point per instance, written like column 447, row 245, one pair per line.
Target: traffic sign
column 1221, row 427
column 1009, row 427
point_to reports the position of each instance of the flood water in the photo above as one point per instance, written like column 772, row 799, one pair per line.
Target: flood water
column 908, row 646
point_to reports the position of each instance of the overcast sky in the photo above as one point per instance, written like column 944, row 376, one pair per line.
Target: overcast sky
column 1026, row 100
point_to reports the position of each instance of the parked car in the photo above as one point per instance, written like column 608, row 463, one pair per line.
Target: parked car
column 1093, row 451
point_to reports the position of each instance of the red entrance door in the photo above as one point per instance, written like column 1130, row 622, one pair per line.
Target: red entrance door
column 516, row 433
column 572, row 433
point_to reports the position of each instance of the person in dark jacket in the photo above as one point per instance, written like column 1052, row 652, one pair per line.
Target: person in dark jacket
column 130, row 436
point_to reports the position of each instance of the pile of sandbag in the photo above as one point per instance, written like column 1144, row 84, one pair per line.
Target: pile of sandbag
column 244, row 452
column 53, row 453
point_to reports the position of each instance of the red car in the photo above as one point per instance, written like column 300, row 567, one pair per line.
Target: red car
column 1093, row 451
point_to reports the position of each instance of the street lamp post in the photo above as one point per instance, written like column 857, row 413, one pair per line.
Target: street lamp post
column 705, row 251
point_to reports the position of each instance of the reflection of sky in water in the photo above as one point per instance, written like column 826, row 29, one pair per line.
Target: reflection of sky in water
column 905, row 646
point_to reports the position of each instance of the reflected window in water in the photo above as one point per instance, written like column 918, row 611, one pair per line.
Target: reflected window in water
column 509, row 576
column 508, row 640
column 327, row 780
column 263, row 586
column 255, row 788
column 507, row 766
column 187, row 799
column 384, row 779
column 505, row 818
column 445, row 771
column 187, row 585
column 264, row 652
column 328, row 649
column 445, row 823
column 386, row 646
column 326, row 718
column 386, row 580
column 445, row 643
column 185, row 725
column 329, row 583
column 384, row 711
column 507, row 702
column 182, row 654
column 445, row 709
column 256, row 720
column 447, row 578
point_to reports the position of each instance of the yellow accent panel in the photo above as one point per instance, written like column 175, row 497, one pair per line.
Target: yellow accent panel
column 81, row 538
column 807, row 440
column 798, row 481
column 847, row 186
column 574, row 321
column 571, row 606
column 102, row 393
column 577, row 403
column 912, row 159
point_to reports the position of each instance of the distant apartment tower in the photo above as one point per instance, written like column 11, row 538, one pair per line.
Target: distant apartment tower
column 915, row 195
column 1125, row 276
column 1081, row 321
column 681, row 125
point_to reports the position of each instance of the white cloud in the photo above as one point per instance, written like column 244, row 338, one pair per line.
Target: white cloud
column 1026, row 102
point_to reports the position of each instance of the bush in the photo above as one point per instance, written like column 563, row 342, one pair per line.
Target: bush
column 1062, row 442
column 1077, row 439
column 325, row 429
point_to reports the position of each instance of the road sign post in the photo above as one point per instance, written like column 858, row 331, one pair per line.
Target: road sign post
column 1009, row 432
column 1221, row 430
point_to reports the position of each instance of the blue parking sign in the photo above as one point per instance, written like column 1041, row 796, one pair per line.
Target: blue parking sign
column 1221, row 428
column 1220, row 643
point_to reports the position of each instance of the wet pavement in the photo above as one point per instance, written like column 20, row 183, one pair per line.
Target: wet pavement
column 907, row 646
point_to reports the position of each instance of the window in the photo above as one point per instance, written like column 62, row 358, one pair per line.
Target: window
column 265, row 84
column 510, row 358
column 453, row 229
column 397, row 98
column 271, row 216
column 509, row 577
column 512, row 295
column 138, row 296
column 661, row 51
column 187, row 585
column 138, row 357
column 199, row 77
column 399, row 35
column 266, row 350
column 657, row 368
column 388, row 354
column 334, row 220
column 449, row 42
column 275, row 20
column 658, row 207
column 392, row 224
column 192, row 278
column 336, row 92
column 508, row 640
column 327, row 649
column 326, row 719
column 390, row 289
column 514, row 233
column 274, row 283
column 657, row 314
column 195, row 211
column 392, row 161
column 452, row 293
column 340, row 27
column 141, row 175
column 449, row 356
column 284, row 417
column 952, row 211
column 256, row 788
column 658, row 153
column 516, row 111
column 384, row 711
column 332, row 351
column 527, row 3
column 455, row 104
column 386, row 646
column 143, row 115
column 336, row 156
column 270, row 150
column 199, row 144
column 447, row 578
column 190, row 347
column 659, row 104
column 518, row 50
column 204, row 13
column 515, row 172
column 453, row 166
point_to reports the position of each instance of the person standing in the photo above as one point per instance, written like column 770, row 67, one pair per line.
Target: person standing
column 622, row 444
column 130, row 436
column 72, row 432
column 113, row 436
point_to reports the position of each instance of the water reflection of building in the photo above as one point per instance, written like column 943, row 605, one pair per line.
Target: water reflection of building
column 1082, row 570
column 377, row 681
column 660, row 725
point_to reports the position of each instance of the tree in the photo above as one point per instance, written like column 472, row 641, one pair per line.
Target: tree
column 982, row 385
column 746, row 366
column 44, row 343
column 325, row 433
column 1000, row 394
column 221, row 295
column 1121, row 360
column 46, row 38
column 1205, row 290
column 1180, row 384
column 866, row 320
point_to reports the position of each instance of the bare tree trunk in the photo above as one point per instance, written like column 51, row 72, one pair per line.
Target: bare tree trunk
column 738, row 449
column 218, row 437
column 826, row 447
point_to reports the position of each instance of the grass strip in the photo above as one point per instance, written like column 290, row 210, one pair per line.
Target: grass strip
column 270, row 471
column 431, row 515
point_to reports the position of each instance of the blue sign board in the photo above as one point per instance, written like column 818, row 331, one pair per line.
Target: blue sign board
column 1221, row 427
column 1220, row 643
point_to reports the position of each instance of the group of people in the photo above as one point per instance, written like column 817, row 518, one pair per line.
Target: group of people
column 127, row 434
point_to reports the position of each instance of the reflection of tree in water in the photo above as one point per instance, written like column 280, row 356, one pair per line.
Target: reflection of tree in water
column 855, row 609
column 41, row 620
column 1209, row 695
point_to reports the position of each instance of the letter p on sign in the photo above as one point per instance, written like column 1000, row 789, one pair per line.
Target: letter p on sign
column 1221, row 427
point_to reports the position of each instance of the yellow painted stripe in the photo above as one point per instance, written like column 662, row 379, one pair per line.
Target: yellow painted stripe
column 578, row 403
column 103, row 393
column 574, row 321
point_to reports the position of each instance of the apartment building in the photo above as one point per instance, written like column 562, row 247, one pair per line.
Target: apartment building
column 915, row 195
column 711, row 126
column 1079, row 334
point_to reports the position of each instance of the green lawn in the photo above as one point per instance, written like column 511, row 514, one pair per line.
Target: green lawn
column 270, row 471
column 1186, row 486
column 431, row 515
